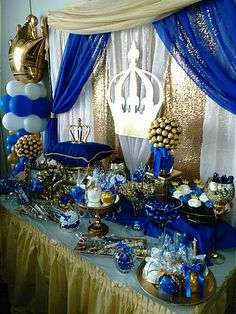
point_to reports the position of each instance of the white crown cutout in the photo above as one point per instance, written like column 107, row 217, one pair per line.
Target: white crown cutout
column 132, row 114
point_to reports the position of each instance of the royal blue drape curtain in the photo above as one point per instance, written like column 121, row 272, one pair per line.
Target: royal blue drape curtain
column 202, row 39
column 79, row 58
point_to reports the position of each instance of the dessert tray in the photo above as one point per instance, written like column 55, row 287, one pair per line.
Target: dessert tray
column 106, row 245
column 151, row 289
column 39, row 211
column 198, row 215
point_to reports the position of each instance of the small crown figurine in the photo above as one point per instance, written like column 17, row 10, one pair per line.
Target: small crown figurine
column 83, row 132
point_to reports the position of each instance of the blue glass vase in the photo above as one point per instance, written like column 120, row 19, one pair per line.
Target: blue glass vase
column 163, row 161
column 167, row 163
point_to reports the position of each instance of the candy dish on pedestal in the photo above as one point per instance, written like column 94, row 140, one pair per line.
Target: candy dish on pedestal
column 161, row 209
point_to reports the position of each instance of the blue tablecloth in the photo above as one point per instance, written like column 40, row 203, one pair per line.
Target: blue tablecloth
column 202, row 232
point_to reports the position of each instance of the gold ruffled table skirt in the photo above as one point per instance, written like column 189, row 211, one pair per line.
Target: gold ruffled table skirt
column 45, row 276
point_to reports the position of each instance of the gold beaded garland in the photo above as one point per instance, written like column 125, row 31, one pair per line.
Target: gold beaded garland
column 29, row 146
column 165, row 132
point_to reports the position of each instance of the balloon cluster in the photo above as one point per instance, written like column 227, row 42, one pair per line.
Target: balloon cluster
column 29, row 146
column 165, row 132
column 25, row 107
column 26, row 111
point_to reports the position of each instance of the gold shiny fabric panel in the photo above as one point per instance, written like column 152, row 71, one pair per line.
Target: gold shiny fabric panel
column 185, row 102
column 103, row 121
column 46, row 277
column 104, row 131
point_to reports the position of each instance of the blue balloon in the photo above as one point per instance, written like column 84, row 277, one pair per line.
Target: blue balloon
column 20, row 105
column 9, row 148
column 4, row 104
column 12, row 139
column 41, row 107
column 21, row 132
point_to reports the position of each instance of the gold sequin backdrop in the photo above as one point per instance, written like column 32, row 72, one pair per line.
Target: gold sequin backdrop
column 186, row 102
column 183, row 100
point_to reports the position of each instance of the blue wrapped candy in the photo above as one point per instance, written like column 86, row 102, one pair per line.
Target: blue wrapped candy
column 162, row 211
column 78, row 194
column 168, row 286
column 7, row 186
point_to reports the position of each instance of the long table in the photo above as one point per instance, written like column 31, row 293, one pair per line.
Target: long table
column 45, row 275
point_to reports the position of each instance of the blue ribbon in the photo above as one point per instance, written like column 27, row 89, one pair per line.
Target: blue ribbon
column 163, row 160
column 157, row 159
column 198, row 269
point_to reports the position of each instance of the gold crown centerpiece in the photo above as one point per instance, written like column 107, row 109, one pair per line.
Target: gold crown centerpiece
column 132, row 113
column 83, row 132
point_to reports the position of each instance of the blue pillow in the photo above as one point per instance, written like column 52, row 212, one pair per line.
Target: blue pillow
column 80, row 155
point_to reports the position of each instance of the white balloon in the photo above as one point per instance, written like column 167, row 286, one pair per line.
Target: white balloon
column 44, row 123
column 33, row 123
column 43, row 91
column 14, row 88
column 12, row 122
column 32, row 91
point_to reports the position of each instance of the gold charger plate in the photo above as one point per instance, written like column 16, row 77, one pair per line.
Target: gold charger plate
column 151, row 289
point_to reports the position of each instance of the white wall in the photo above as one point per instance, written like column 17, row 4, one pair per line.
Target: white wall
column 14, row 12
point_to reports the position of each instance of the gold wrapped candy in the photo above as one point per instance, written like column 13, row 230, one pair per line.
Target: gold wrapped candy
column 107, row 198
column 165, row 132
column 29, row 146
column 194, row 283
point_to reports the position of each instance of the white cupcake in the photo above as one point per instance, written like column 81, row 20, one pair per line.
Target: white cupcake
column 194, row 203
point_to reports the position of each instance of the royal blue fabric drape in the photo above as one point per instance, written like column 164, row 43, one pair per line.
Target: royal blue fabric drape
column 202, row 39
column 79, row 58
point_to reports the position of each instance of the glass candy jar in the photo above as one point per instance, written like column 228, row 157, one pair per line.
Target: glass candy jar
column 124, row 258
